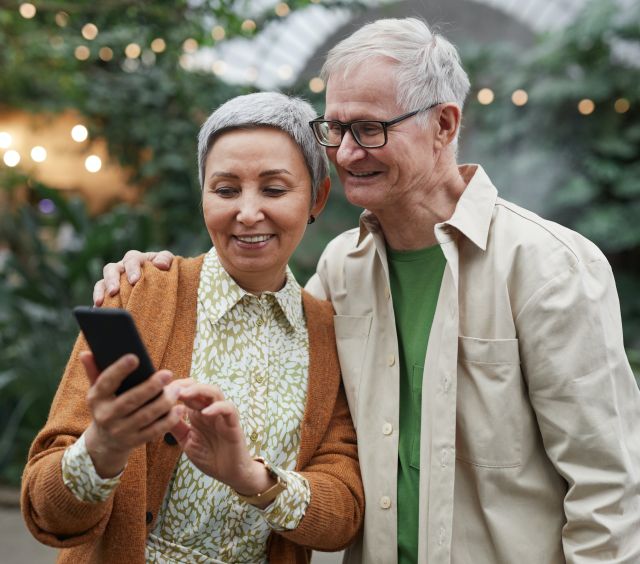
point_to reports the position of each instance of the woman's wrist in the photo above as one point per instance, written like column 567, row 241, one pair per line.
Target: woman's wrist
column 107, row 463
column 258, row 479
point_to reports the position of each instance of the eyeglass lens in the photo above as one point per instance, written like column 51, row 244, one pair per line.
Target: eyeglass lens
column 367, row 133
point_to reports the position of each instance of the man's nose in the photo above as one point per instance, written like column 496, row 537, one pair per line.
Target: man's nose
column 250, row 210
column 349, row 151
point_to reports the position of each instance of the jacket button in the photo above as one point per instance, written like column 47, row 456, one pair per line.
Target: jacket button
column 170, row 439
column 149, row 517
column 385, row 502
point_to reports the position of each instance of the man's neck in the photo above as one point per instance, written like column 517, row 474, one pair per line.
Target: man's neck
column 410, row 225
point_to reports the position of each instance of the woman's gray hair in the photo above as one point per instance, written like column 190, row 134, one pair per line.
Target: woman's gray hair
column 267, row 109
column 428, row 66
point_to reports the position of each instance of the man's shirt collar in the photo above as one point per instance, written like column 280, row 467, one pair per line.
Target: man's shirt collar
column 471, row 217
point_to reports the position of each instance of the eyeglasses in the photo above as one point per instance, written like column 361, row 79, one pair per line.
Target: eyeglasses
column 369, row 134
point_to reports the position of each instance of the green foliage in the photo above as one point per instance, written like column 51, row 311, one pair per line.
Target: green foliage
column 148, row 110
column 591, row 161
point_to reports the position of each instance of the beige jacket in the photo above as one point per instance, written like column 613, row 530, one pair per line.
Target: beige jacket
column 530, row 440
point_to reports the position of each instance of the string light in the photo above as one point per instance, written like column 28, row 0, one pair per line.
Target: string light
column 218, row 33
column 519, row 97
column 248, row 25
column 93, row 163
column 316, row 84
column 158, row 45
column 105, row 53
column 89, row 31
column 190, row 45
column 282, row 9
column 485, row 96
column 11, row 158
column 586, row 106
column 27, row 10
column 82, row 52
column 62, row 19
column 79, row 133
column 621, row 105
column 132, row 51
column 5, row 140
column 39, row 154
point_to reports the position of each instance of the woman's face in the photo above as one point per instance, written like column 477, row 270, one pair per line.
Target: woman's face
column 256, row 201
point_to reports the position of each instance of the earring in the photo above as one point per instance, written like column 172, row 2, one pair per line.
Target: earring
column 311, row 220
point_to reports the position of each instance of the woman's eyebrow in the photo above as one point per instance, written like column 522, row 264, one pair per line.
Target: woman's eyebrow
column 222, row 174
column 274, row 172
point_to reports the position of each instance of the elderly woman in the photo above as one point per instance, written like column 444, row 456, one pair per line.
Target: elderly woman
column 253, row 457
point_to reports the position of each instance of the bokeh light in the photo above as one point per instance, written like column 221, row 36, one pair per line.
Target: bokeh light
column 46, row 206
column 11, row 158
column 62, row 19
column 39, row 154
column 282, row 9
column 218, row 32
column 93, row 163
column 486, row 96
column 79, row 133
column 248, row 25
column 27, row 10
column 158, row 45
column 82, row 52
column 132, row 50
column 105, row 53
column 519, row 97
column 621, row 105
column 89, row 31
column 5, row 140
column 586, row 106
column 316, row 84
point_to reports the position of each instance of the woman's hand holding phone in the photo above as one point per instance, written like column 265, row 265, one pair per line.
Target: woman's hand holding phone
column 122, row 423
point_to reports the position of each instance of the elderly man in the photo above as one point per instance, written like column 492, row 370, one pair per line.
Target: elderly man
column 481, row 347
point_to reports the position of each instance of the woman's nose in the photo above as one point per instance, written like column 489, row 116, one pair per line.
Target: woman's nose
column 250, row 211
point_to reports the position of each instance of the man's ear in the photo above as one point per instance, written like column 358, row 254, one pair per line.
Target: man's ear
column 321, row 199
column 447, row 125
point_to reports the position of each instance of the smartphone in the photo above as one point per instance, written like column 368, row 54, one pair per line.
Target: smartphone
column 111, row 333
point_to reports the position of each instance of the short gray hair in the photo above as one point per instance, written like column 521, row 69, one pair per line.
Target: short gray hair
column 267, row 109
column 428, row 66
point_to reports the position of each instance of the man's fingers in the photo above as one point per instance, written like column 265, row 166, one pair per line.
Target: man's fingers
column 132, row 261
column 111, row 273
column 99, row 293
column 163, row 260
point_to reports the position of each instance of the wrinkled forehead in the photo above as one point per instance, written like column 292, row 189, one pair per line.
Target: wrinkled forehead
column 362, row 94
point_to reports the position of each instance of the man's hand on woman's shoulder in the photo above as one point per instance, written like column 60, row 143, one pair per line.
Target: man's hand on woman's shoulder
column 130, row 264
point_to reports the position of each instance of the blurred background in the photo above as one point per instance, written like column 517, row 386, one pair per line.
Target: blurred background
column 100, row 104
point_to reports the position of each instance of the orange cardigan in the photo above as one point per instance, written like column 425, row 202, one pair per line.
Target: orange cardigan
column 164, row 307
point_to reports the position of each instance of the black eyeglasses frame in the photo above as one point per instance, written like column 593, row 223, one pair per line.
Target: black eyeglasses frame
column 344, row 126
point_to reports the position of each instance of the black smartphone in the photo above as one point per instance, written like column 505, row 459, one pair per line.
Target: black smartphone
column 111, row 333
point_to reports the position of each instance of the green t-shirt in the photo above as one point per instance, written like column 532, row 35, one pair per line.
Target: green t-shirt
column 415, row 278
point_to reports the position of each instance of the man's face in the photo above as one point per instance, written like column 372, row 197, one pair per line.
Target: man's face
column 384, row 177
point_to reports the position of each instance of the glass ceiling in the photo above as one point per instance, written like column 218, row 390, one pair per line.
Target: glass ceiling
column 277, row 55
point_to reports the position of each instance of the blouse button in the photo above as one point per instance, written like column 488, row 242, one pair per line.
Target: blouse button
column 260, row 322
column 260, row 379
column 253, row 437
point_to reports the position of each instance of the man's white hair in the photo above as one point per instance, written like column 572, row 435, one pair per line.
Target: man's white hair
column 428, row 69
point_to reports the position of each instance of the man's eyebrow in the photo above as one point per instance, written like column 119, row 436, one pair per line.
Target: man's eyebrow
column 274, row 172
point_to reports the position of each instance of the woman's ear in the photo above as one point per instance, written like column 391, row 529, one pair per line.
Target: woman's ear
column 321, row 199
column 447, row 125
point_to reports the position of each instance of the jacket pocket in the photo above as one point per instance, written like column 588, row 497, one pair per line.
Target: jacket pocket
column 490, row 400
column 352, row 336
